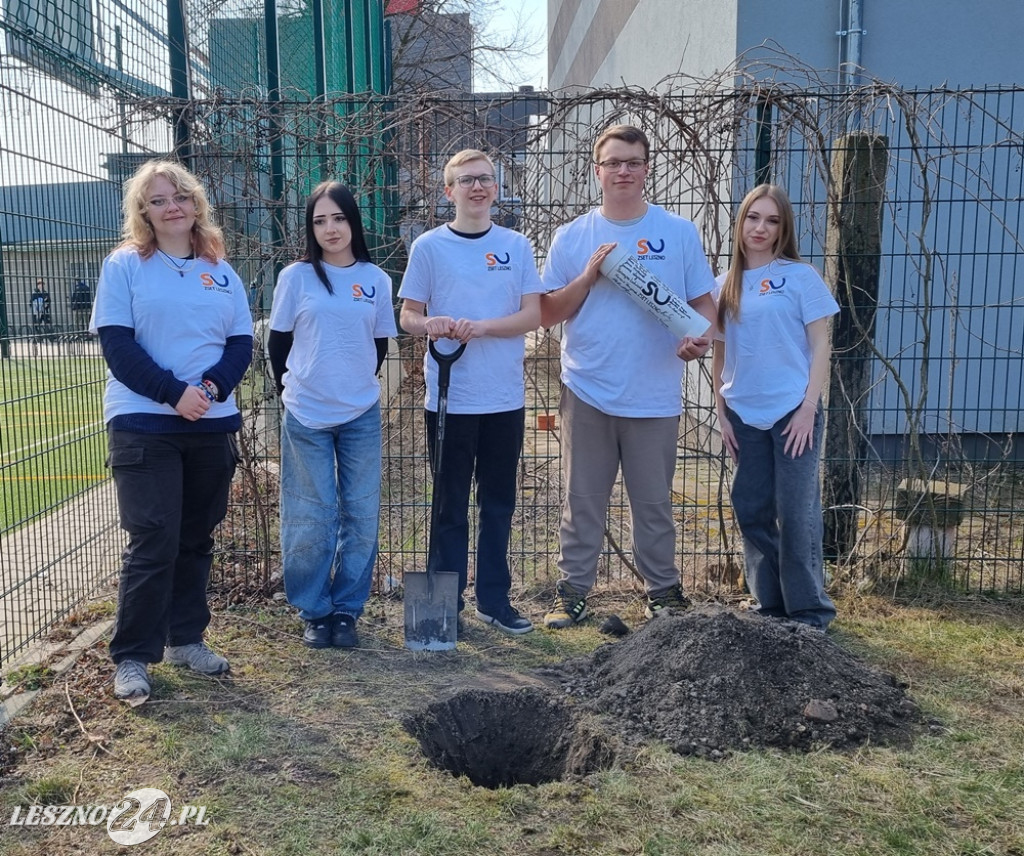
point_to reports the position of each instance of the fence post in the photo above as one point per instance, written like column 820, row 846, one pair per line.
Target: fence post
column 853, row 262
column 177, row 46
column 5, row 345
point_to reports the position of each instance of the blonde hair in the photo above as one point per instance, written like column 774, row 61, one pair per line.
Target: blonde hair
column 626, row 133
column 785, row 247
column 137, row 231
column 459, row 158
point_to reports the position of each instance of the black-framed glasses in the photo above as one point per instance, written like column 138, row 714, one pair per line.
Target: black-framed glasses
column 634, row 165
column 469, row 180
column 179, row 199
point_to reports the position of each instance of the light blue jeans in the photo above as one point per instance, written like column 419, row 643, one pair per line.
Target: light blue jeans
column 330, row 510
column 777, row 502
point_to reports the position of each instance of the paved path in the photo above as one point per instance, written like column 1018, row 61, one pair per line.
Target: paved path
column 48, row 566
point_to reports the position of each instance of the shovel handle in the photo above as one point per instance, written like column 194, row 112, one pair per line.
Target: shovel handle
column 444, row 363
column 444, row 374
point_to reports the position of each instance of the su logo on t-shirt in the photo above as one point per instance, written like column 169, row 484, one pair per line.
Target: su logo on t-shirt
column 768, row 286
column 210, row 281
column 363, row 292
column 648, row 250
column 496, row 262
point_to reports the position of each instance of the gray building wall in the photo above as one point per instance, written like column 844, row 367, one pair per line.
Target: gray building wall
column 915, row 43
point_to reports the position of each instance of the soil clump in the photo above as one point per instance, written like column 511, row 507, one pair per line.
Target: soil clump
column 713, row 680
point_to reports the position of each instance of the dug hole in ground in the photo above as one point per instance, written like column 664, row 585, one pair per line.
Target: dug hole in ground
column 706, row 682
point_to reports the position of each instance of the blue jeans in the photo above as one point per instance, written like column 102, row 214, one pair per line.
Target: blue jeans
column 172, row 491
column 777, row 502
column 485, row 448
column 330, row 510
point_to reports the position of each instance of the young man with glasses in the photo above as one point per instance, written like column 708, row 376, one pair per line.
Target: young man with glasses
column 475, row 282
column 621, row 374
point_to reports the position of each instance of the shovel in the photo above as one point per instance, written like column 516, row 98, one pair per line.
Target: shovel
column 432, row 597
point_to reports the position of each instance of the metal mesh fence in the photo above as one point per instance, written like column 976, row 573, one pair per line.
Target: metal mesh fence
column 922, row 480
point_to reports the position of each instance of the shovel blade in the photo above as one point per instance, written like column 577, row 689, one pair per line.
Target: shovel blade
column 431, row 610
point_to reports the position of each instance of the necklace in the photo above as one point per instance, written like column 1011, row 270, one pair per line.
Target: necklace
column 173, row 263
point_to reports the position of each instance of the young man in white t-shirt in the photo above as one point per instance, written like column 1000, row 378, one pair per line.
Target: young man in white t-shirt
column 621, row 374
column 475, row 282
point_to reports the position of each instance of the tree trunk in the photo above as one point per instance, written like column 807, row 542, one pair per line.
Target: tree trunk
column 853, row 261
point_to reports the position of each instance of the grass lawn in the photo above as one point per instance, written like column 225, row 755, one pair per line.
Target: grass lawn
column 303, row 752
column 52, row 441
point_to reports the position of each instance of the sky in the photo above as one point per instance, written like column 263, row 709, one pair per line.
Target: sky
column 535, row 15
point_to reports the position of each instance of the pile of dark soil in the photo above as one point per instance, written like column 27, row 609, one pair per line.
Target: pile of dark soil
column 713, row 680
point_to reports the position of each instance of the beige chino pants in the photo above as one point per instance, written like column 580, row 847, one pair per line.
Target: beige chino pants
column 594, row 445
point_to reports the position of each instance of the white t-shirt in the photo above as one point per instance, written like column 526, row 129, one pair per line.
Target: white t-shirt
column 475, row 278
column 616, row 356
column 331, row 370
column 182, row 322
column 767, row 354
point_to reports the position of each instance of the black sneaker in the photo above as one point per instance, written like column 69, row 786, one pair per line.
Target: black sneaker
column 317, row 633
column 672, row 598
column 343, row 634
column 505, row 618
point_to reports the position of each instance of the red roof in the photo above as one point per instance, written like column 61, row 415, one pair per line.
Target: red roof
column 397, row 7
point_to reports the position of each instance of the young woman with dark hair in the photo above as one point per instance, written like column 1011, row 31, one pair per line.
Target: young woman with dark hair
column 329, row 327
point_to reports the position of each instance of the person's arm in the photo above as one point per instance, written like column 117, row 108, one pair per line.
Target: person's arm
column 279, row 345
column 416, row 322
column 562, row 303
column 523, row 321
column 724, row 425
column 693, row 347
column 799, row 433
column 229, row 370
column 136, row 369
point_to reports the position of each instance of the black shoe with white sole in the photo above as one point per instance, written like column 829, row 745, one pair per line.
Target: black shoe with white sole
column 506, row 618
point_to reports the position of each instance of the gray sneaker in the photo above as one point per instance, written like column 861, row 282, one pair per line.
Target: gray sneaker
column 197, row 657
column 131, row 680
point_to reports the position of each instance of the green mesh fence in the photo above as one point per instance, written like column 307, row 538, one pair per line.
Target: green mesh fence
column 922, row 482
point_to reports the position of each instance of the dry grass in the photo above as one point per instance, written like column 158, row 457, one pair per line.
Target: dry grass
column 303, row 752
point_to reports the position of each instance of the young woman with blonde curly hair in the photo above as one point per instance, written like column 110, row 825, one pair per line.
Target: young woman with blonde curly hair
column 173, row 321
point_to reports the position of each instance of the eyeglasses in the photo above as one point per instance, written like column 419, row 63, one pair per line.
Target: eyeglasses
column 616, row 165
column 470, row 180
column 178, row 199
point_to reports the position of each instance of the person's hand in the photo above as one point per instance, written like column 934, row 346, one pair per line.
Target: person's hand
column 439, row 327
column 799, row 433
column 593, row 269
column 465, row 329
column 693, row 347
column 728, row 436
column 192, row 404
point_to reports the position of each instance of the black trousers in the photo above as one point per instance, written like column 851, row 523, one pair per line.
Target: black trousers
column 172, row 491
column 482, row 448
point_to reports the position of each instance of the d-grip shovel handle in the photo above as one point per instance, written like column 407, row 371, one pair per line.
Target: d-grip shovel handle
column 444, row 376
